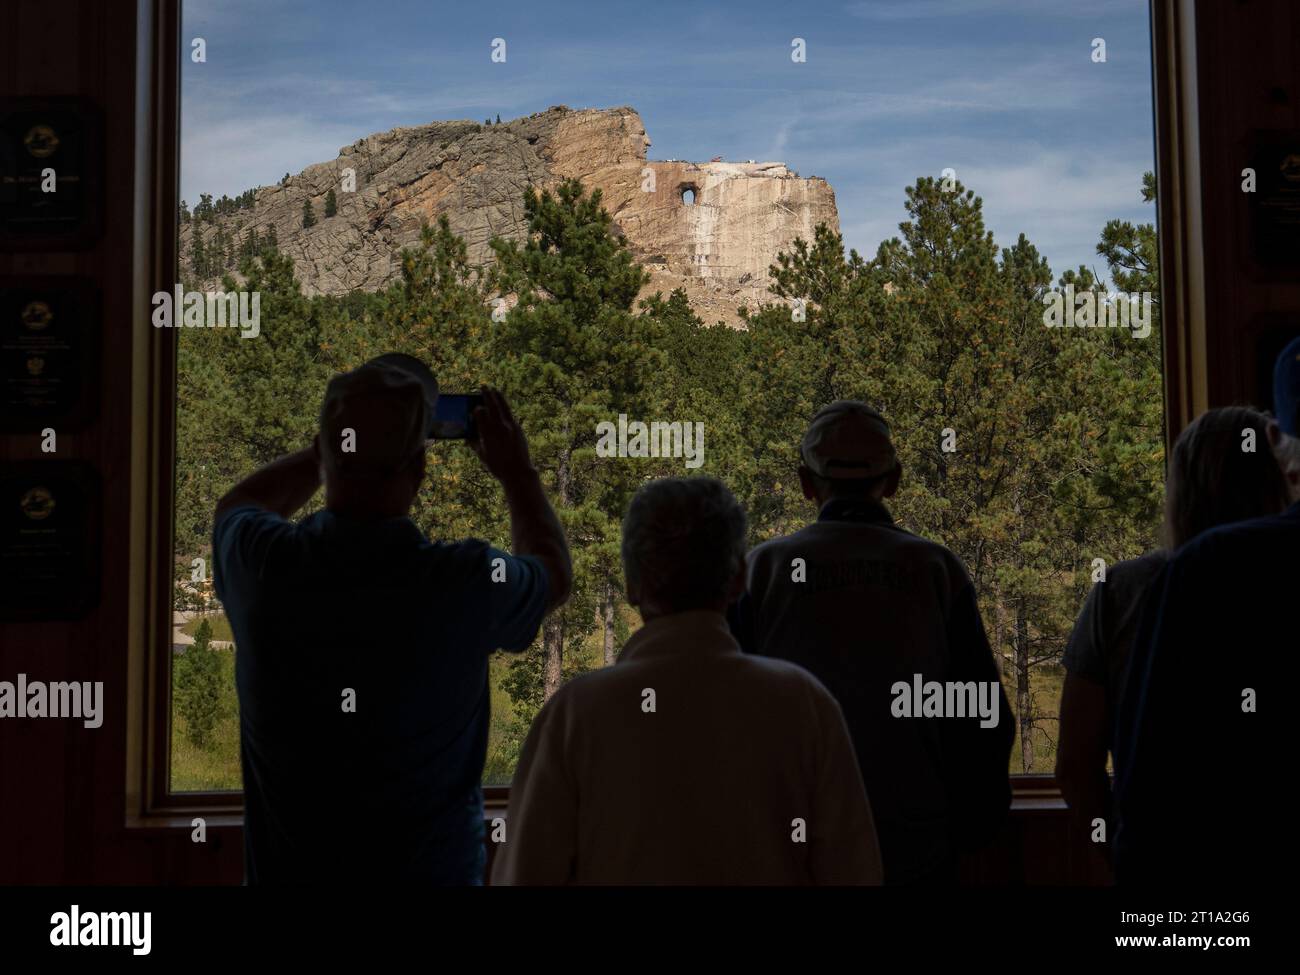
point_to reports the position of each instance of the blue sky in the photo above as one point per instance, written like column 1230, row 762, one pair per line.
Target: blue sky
column 1002, row 91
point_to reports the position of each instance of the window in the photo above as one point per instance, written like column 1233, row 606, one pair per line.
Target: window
column 1032, row 451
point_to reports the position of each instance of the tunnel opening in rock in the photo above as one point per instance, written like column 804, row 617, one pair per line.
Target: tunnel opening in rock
column 688, row 195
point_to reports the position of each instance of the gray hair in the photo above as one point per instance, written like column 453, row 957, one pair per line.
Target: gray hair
column 683, row 542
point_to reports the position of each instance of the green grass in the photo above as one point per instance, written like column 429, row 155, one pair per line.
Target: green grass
column 215, row 768
column 220, row 627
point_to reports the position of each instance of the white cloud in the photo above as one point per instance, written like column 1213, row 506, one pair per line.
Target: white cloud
column 229, row 156
column 240, row 132
column 1059, row 199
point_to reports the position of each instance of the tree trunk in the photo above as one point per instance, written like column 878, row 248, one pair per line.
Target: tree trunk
column 553, row 644
column 553, row 630
column 607, row 622
column 1023, row 699
column 999, row 632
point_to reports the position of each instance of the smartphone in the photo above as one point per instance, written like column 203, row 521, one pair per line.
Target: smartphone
column 453, row 417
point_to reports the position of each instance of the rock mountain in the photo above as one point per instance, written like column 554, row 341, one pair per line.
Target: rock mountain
column 712, row 228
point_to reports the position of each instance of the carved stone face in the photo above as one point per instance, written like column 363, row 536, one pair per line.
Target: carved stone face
column 638, row 131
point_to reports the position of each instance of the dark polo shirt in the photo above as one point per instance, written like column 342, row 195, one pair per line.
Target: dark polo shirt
column 331, row 610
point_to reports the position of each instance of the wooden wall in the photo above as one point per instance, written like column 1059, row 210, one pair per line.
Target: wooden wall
column 1248, row 86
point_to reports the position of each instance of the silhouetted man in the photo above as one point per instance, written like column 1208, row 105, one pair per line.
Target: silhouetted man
column 1213, row 664
column 362, row 662
column 889, row 623
column 688, row 762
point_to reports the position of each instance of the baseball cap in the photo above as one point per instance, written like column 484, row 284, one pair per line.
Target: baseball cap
column 389, row 405
column 848, row 440
column 1286, row 388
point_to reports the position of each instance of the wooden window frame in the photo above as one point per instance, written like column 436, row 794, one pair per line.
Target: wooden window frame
column 150, row 803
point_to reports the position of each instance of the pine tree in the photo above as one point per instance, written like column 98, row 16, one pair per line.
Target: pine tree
column 196, row 677
column 273, row 240
column 498, row 121
column 331, row 204
column 185, row 212
column 576, row 284
column 198, row 258
column 308, row 214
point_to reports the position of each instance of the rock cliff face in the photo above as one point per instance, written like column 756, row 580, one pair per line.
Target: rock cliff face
column 717, row 246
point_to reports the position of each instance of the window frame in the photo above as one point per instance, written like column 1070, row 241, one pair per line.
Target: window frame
column 150, row 802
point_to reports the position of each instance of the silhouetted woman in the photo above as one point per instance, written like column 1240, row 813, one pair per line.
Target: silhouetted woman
column 1222, row 471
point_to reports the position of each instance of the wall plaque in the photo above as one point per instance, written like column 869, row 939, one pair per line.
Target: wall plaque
column 1275, row 204
column 49, row 362
column 49, row 540
column 51, row 165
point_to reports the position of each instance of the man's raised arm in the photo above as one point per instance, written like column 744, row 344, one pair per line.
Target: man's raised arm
column 534, row 527
column 282, row 486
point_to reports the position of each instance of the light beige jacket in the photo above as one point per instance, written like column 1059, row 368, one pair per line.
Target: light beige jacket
column 688, row 762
